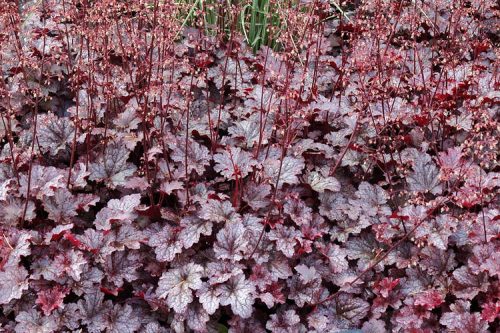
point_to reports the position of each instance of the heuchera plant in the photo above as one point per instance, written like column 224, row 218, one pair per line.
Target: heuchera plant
column 160, row 176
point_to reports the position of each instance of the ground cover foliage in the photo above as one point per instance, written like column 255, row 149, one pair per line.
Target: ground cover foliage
column 165, row 169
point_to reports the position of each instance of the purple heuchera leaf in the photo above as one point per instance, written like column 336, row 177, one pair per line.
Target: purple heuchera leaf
column 285, row 238
column 177, row 285
column 425, row 176
column 91, row 311
column 70, row 263
column 14, row 283
column 169, row 187
column 284, row 322
column 239, row 293
column 197, row 155
column 231, row 242
column 112, row 166
column 51, row 299
column 467, row 285
column 63, row 205
column 166, row 243
column 460, row 319
column 486, row 259
column 13, row 208
column 257, row 196
column 120, row 267
column 220, row 271
column 337, row 258
column 193, row 228
column 218, row 211
column 320, row 184
column 55, row 133
column 248, row 131
column 121, row 319
column 208, row 296
column 33, row 321
column 45, row 181
column 197, row 317
column 285, row 171
column 305, row 287
column 234, row 163
column 346, row 311
column 118, row 210
column 297, row 210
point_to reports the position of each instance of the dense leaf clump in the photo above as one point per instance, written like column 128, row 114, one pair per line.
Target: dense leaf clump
column 159, row 176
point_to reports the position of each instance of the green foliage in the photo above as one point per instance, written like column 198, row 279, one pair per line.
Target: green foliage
column 261, row 22
column 221, row 328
